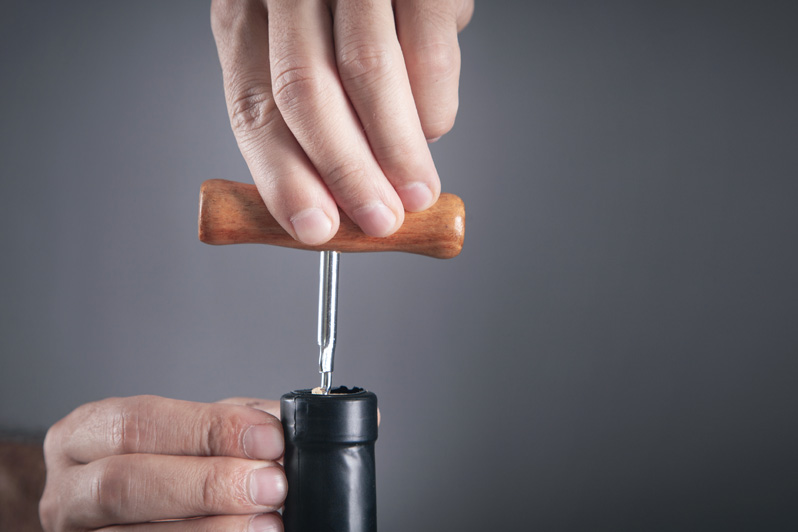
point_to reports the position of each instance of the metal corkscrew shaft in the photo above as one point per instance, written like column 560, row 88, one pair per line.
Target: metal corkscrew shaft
column 328, row 311
column 234, row 213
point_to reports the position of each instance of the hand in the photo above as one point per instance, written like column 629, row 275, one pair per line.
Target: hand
column 332, row 101
column 122, row 465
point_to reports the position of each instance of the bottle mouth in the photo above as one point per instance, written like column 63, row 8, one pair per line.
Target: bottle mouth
column 340, row 390
column 345, row 416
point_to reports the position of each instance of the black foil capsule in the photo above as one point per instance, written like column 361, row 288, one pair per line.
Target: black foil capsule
column 329, row 460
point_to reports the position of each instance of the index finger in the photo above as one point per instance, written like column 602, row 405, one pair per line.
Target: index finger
column 157, row 425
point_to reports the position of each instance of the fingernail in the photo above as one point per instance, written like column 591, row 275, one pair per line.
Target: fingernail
column 435, row 139
column 312, row 226
column 415, row 196
column 375, row 219
column 265, row 523
column 263, row 442
column 267, row 486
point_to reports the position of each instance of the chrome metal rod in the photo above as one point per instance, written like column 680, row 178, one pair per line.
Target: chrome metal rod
column 328, row 310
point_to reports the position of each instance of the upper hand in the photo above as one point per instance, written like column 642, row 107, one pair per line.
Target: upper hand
column 332, row 103
column 123, row 464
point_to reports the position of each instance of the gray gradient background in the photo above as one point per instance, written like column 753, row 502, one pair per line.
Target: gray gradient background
column 616, row 347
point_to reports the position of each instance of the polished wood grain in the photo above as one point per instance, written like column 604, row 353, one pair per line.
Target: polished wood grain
column 234, row 213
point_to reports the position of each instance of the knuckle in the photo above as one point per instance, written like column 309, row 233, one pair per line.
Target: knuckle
column 294, row 84
column 123, row 428
column 107, row 419
column 210, row 494
column 438, row 61
column 111, row 488
column 252, row 109
column 222, row 434
column 223, row 489
column 347, row 177
column 399, row 154
column 364, row 62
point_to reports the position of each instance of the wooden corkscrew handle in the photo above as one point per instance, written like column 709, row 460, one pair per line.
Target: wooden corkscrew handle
column 234, row 213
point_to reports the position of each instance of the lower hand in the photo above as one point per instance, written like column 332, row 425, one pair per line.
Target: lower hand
column 151, row 464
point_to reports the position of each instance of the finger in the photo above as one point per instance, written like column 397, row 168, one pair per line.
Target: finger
column 146, row 487
column 228, row 523
column 270, row 407
column 428, row 36
column 149, row 424
column 315, row 107
column 373, row 73
column 290, row 186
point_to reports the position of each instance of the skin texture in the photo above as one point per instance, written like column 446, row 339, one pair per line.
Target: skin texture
column 114, row 465
column 332, row 104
